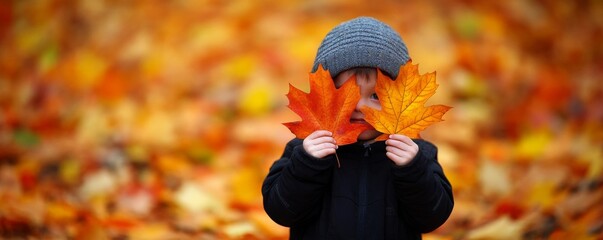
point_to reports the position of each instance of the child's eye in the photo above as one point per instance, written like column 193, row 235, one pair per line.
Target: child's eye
column 374, row 96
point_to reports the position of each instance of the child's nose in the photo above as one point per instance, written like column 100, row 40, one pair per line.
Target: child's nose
column 361, row 103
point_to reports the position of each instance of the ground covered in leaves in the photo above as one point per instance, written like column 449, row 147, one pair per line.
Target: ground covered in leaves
column 159, row 119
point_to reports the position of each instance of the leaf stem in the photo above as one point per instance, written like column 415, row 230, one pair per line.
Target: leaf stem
column 338, row 163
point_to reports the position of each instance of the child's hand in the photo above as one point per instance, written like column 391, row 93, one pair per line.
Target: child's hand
column 320, row 144
column 401, row 149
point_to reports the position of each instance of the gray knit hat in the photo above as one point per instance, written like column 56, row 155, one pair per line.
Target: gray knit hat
column 362, row 42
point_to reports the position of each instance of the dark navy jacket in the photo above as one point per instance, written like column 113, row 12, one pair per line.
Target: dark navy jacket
column 368, row 197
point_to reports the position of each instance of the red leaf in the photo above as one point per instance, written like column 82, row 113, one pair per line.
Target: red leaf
column 326, row 108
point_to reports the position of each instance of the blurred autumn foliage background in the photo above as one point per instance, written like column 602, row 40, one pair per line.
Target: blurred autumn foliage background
column 159, row 119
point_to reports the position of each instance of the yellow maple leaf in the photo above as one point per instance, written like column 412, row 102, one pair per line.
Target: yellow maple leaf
column 402, row 103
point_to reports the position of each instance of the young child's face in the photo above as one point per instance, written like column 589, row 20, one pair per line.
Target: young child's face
column 365, row 79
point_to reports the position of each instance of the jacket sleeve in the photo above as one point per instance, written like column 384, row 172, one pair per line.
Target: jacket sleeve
column 295, row 185
column 423, row 192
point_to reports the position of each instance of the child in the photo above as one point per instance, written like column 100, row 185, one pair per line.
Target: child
column 392, row 189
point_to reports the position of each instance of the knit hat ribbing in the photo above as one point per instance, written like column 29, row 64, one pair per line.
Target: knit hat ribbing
column 362, row 42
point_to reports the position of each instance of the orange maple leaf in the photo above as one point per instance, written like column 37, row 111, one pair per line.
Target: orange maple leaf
column 326, row 108
column 402, row 103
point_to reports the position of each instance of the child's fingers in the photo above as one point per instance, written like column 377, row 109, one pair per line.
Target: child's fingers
column 324, row 152
column 400, row 149
column 402, row 138
column 320, row 143
column 398, row 152
column 319, row 133
column 319, row 137
column 398, row 144
column 322, row 146
column 325, row 139
column 320, row 150
column 397, row 159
